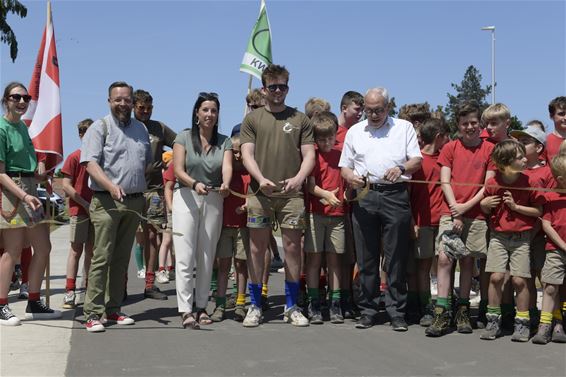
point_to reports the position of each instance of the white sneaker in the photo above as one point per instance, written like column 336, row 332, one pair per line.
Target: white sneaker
column 475, row 301
column 162, row 277
column 141, row 273
column 7, row 318
column 253, row 317
column 433, row 286
column 294, row 316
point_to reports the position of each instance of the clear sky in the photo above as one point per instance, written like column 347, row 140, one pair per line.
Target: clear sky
column 176, row 49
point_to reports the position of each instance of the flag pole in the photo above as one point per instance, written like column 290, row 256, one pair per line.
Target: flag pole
column 48, row 205
column 249, row 91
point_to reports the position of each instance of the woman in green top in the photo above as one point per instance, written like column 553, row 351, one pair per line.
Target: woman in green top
column 202, row 162
column 21, row 211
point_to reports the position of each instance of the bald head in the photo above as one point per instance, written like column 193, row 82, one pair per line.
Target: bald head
column 375, row 93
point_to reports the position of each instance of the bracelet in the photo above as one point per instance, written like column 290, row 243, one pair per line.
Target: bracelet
column 24, row 197
column 195, row 184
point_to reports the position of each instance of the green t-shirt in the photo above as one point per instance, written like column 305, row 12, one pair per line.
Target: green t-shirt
column 16, row 149
column 204, row 167
column 278, row 138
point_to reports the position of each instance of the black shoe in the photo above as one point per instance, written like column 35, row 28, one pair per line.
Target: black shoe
column 38, row 310
column 265, row 306
column 154, row 293
column 313, row 313
column 365, row 322
column 399, row 324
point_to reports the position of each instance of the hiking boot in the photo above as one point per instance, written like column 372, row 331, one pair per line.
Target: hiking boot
column 294, row 316
column 543, row 335
column 239, row 313
column 428, row 316
column 69, row 300
column 440, row 323
column 231, row 302
column 38, row 310
column 24, row 294
column 218, row 314
column 314, row 314
column 120, row 318
column 154, row 293
column 522, row 330
column 7, row 318
column 253, row 317
column 335, row 312
column 93, row 324
column 463, row 324
column 162, row 277
column 558, row 335
column 492, row 328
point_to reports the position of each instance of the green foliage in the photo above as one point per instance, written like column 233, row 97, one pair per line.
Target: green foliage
column 516, row 124
column 6, row 33
column 468, row 90
column 58, row 174
column 392, row 107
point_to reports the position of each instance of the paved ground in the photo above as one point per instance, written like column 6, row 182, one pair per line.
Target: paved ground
column 158, row 346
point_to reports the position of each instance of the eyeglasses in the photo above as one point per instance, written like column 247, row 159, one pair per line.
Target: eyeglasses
column 254, row 106
column 82, row 130
column 19, row 97
column 376, row 111
column 208, row 95
column 282, row 87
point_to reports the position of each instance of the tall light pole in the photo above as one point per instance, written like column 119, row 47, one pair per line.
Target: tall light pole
column 492, row 29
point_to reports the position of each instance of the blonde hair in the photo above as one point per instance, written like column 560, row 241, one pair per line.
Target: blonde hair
column 315, row 106
column 558, row 165
column 498, row 111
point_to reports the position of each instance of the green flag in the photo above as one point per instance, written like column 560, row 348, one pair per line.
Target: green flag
column 258, row 53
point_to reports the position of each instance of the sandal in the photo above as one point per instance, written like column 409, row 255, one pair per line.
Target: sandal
column 189, row 320
column 203, row 318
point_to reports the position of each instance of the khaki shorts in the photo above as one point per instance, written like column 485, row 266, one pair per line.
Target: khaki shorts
column 474, row 235
column 288, row 212
column 509, row 250
column 154, row 208
column 82, row 230
column 233, row 242
column 554, row 268
column 23, row 215
column 425, row 244
column 538, row 253
column 325, row 234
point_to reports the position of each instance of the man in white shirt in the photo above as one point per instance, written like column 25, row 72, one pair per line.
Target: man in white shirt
column 385, row 151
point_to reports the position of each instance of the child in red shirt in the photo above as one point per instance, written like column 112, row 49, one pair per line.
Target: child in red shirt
column 538, row 171
column 234, row 240
column 426, row 202
column 513, row 214
column 554, row 270
column 75, row 185
column 465, row 160
column 557, row 112
column 325, row 235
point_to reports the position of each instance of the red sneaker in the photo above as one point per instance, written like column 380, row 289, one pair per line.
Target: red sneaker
column 120, row 318
column 93, row 324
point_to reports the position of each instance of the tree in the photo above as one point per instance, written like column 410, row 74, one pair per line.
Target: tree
column 469, row 90
column 392, row 107
column 6, row 33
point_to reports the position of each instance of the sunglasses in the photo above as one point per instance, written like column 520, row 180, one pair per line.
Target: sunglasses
column 208, row 95
column 282, row 87
column 19, row 97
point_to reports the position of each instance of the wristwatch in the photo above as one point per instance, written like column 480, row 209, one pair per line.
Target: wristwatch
column 402, row 168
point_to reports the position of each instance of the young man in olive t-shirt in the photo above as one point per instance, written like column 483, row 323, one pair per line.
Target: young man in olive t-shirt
column 278, row 152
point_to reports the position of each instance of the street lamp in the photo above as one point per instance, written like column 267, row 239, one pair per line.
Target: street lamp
column 492, row 29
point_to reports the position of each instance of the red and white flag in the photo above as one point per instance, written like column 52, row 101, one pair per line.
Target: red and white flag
column 44, row 113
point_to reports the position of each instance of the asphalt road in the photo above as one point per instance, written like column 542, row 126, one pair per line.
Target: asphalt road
column 157, row 345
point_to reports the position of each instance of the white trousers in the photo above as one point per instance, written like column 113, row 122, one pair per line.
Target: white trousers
column 197, row 222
